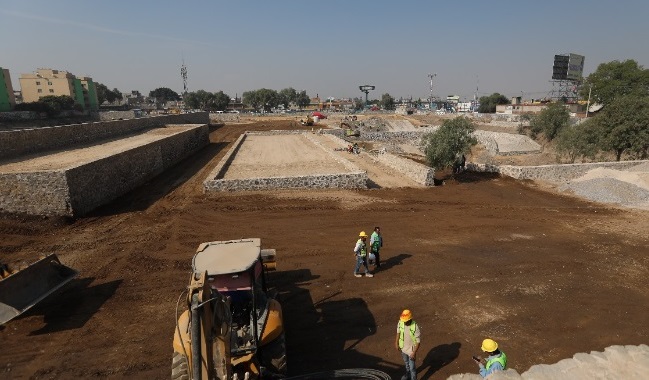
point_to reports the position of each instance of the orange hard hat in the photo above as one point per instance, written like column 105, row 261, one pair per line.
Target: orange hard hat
column 406, row 315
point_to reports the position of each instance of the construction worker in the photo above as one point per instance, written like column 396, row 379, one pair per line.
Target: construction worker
column 407, row 342
column 376, row 242
column 360, row 251
column 496, row 361
column 4, row 270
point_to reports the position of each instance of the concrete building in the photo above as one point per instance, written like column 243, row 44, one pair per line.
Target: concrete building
column 7, row 98
column 46, row 82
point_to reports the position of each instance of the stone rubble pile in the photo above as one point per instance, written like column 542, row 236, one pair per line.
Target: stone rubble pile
column 616, row 362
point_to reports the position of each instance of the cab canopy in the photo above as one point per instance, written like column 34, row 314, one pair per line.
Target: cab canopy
column 226, row 257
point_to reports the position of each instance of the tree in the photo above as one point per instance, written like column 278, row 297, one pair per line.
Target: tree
column 208, row 101
column 624, row 126
column 287, row 96
column 451, row 140
column 551, row 120
column 50, row 104
column 104, row 94
column 200, row 99
column 164, row 94
column 488, row 103
column 115, row 95
column 221, row 101
column 61, row 102
column 614, row 79
column 263, row 98
column 302, row 99
column 359, row 104
column 101, row 92
column 581, row 140
column 387, row 102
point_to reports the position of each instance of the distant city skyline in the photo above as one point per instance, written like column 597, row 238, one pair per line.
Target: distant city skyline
column 327, row 49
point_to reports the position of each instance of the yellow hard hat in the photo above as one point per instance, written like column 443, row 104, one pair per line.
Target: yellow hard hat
column 406, row 315
column 362, row 234
column 489, row 345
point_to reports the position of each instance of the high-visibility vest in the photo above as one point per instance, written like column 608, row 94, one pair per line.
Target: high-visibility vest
column 363, row 251
column 502, row 359
column 413, row 327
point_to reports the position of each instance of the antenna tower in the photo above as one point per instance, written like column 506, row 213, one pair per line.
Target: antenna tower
column 432, row 98
column 183, row 74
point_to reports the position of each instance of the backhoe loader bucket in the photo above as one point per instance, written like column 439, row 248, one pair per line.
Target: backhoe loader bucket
column 28, row 286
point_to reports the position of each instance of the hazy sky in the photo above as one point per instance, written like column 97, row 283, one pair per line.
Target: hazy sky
column 325, row 47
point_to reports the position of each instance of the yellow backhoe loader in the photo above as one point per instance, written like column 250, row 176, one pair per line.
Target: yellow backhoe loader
column 233, row 327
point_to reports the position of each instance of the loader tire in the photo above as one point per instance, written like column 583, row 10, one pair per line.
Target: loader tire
column 274, row 355
column 179, row 367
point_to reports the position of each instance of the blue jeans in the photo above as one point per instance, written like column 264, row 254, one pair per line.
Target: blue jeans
column 411, row 369
column 361, row 260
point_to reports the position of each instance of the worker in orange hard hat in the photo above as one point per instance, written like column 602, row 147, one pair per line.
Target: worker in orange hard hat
column 360, row 251
column 496, row 361
column 408, row 343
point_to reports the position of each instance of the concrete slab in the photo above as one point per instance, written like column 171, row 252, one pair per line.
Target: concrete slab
column 282, row 160
column 280, row 156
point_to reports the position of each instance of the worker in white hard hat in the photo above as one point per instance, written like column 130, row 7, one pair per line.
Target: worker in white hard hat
column 360, row 251
column 407, row 343
column 496, row 361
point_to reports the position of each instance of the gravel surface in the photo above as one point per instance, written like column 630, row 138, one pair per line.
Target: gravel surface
column 608, row 190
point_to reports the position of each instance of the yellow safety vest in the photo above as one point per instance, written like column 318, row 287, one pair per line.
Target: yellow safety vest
column 413, row 327
column 502, row 359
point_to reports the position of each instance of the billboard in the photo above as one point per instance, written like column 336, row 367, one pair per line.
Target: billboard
column 560, row 67
column 568, row 67
column 575, row 67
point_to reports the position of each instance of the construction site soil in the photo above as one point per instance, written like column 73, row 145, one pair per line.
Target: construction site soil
column 544, row 274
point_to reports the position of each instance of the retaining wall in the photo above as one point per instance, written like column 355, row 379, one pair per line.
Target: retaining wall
column 36, row 193
column 77, row 190
column 355, row 179
column 323, row 181
column 116, row 115
column 419, row 173
column 36, row 140
column 384, row 136
column 564, row 172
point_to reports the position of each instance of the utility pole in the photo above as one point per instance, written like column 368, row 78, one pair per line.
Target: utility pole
column 590, row 88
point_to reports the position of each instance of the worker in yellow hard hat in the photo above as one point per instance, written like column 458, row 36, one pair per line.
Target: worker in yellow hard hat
column 496, row 361
column 360, row 251
column 407, row 343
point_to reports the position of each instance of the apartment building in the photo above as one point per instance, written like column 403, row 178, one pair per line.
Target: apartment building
column 7, row 98
column 46, row 82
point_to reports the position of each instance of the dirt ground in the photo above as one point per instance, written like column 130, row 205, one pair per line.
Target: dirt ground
column 545, row 275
